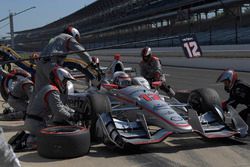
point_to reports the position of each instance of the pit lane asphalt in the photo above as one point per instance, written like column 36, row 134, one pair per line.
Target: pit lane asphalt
column 178, row 150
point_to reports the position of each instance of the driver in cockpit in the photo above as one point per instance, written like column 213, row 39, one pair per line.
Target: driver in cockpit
column 122, row 79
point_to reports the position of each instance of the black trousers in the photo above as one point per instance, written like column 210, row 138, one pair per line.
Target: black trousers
column 244, row 113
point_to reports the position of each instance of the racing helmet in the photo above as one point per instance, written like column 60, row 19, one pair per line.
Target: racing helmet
column 117, row 57
column 73, row 32
column 230, row 76
column 59, row 77
column 95, row 61
column 121, row 79
column 146, row 53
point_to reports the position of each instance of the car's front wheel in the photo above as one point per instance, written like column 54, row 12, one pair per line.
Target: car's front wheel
column 204, row 99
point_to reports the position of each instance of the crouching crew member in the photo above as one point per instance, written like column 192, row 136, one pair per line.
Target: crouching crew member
column 18, row 99
column 47, row 102
column 239, row 92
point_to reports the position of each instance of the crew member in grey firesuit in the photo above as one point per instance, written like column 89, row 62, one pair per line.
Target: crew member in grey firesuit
column 18, row 99
column 239, row 92
column 47, row 102
column 68, row 40
column 151, row 70
column 150, row 66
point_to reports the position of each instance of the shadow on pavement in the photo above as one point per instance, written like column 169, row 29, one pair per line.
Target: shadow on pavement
column 34, row 157
column 190, row 144
column 109, row 152
column 12, row 128
column 173, row 146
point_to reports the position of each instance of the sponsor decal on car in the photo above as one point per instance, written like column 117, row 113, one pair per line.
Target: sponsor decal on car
column 176, row 118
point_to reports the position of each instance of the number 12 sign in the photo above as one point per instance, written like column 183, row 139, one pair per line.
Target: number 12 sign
column 190, row 46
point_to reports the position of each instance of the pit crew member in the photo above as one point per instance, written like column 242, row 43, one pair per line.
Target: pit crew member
column 68, row 40
column 150, row 67
column 239, row 91
column 46, row 102
column 18, row 99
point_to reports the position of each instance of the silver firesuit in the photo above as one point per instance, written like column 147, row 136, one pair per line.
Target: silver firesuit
column 45, row 103
column 151, row 70
column 60, row 44
column 19, row 97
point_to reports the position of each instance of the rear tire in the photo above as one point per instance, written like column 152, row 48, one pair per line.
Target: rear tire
column 203, row 100
column 63, row 142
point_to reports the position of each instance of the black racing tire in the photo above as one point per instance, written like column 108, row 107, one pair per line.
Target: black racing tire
column 203, row 100
column 60, row 142
column 7, row 82
column 97, row 104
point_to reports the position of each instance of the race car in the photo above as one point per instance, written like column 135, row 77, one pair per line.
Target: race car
column 137, row 115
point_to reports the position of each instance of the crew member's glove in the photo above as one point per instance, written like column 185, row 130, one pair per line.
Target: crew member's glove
column 74, row 117
column 157, row 76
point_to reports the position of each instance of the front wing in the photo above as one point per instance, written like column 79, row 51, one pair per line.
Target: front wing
column 120, row 132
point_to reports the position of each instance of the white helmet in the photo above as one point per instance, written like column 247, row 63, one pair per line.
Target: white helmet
column 73, row 32
column 121, row 79
column 60, row 77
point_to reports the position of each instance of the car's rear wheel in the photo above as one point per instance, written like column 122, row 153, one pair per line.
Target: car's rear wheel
column 204, row 100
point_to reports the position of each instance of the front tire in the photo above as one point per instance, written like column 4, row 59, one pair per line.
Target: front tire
column 203, row 100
